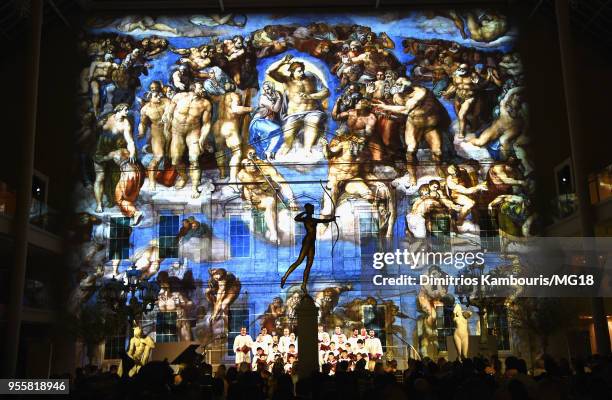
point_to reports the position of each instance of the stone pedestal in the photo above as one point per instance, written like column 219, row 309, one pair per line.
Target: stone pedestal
column 475, row 347
column 308, row 355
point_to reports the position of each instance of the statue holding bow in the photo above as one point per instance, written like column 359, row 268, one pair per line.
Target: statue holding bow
column 308, row 243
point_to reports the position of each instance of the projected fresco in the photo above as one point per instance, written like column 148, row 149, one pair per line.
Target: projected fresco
column 203, row 136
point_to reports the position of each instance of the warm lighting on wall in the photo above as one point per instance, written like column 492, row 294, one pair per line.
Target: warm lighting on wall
column 589, row 317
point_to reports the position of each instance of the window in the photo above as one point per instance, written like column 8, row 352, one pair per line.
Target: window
column 168, row 231
column 444, row 326
column 238, row 318
column 260, row 222
column 114, row 347
column 240, row 237
column 374, row 318
column 564, row 179
column 497, row 324
column 119, row 246
column 489, row 231
column 165, row 329
column 439, row 232
column 368, row 234
column 566, row 203
column 39, row 198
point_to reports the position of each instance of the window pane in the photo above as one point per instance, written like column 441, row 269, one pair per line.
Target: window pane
column 374, row 318
column 165, row 329
column 237, row 318
column 168, row 231
column 444, row 326
column 260, row 223
column 368, row 234
column 240, row 237
column 119, row 242
column 114, row 347
column 439, row 232
column 497, row 324
column 489, row 232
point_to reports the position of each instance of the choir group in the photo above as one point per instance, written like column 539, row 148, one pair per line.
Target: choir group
column 269, row 348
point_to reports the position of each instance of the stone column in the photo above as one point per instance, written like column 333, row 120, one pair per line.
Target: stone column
column 308, row 354
column 579, row 152
column 21, row 221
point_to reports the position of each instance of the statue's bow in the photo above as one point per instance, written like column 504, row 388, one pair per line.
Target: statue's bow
column 334, row 214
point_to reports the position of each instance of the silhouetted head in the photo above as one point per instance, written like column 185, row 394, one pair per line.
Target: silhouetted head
column 309, row 208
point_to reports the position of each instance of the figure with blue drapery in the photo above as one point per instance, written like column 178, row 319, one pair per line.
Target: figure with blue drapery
column 265, row 131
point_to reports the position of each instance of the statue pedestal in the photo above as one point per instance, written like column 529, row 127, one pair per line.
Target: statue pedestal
column 308, row 355
column 475, row 347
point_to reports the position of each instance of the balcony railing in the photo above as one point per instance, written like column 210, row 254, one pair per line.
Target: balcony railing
column 41, row 215
column 44, row 217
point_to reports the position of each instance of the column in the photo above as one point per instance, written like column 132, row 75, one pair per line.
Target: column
column 21, row 224
column 578, row 153
column 308, row 353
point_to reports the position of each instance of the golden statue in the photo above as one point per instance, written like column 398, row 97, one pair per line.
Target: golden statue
column 139, row 352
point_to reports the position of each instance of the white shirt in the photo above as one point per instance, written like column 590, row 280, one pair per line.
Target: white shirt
column 239, row 342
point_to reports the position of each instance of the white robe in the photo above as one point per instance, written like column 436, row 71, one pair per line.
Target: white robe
column 283, row 344
column 254, row 362
column 353, row 341
column 240, row 341
column 264, row 346
column 268, row 341
column 336, row 338
column 272, row 355
column 364, row 353
column 374, row 346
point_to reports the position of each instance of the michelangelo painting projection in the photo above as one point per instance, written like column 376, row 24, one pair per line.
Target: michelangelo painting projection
column 242, row 160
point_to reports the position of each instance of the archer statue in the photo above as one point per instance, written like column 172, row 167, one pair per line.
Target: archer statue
column 308, row 243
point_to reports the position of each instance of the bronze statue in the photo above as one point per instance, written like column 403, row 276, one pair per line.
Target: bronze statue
column 308, row 243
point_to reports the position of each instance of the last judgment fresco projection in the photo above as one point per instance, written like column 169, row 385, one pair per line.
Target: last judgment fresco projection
column 239, row 161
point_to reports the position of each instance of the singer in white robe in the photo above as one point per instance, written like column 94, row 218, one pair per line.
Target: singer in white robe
column 239, row 342
column 283, row 342
column 374, row 346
